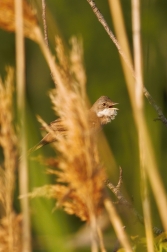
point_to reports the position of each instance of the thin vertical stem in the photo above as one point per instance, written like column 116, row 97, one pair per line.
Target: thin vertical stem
column 137, row 53
column 44, row 22
column 139, row 107
column 45, row 30
column 93, row 225
column 101, row 241
column 20, row 77
column 117, row 224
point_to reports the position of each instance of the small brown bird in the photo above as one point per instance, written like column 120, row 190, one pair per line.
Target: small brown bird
column 102, row 112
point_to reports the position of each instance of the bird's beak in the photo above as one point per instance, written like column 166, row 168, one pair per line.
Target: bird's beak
column 114, row 105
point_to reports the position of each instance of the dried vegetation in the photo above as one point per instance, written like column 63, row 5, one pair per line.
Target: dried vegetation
column 10, row 222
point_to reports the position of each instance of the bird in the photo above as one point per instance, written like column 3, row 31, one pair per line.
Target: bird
column 102, row 112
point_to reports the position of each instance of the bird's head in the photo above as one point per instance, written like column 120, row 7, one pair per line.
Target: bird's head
column 105, row 109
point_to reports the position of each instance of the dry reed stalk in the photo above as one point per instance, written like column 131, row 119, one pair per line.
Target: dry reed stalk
column 10, row 223
column 44, row 22
column 139, row 102
column 152, row 173
column 101, row 241
column 118, row 226
column 22, row 27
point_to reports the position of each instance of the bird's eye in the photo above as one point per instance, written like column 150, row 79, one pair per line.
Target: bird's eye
column 104, row 104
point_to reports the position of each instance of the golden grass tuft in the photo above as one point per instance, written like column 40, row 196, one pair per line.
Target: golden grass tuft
column 7, row 18
column 79, row 185
column 80, row 176
column 10, row 223
column 10, row 233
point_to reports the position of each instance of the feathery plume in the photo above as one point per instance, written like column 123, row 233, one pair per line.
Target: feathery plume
column 7, row 18
column 10, row 223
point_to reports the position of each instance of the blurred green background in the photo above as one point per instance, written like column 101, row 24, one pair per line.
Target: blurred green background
column 104, row 77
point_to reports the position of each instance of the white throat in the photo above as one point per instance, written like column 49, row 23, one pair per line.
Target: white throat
column 108, row 112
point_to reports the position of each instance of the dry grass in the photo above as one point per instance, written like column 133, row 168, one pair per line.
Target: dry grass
column 79, row 183
column 10, row 223
column 79, row 186
column 7, row 18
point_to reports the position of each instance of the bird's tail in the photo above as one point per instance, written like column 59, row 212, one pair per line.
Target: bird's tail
column 36, row 147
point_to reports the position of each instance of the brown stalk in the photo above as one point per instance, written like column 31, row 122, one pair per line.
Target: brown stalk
column 117, row 224
column 116, row 190
column 45, row 28
column 101, row 241
column 10, row 223
column 20, row 24
column 44, row 22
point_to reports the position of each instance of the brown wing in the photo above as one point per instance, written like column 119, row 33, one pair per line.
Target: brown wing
column 58, row 125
